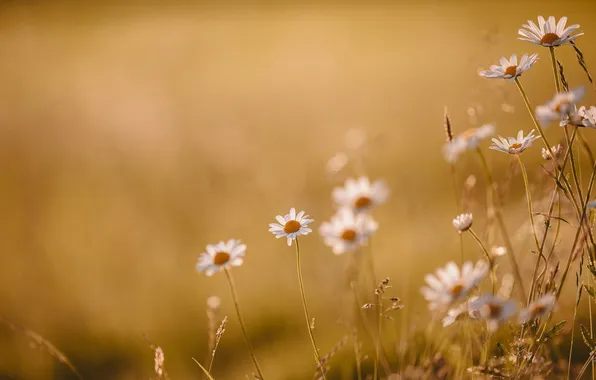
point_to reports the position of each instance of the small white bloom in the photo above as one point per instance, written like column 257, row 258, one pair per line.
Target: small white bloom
column 221, row 255
column 360, row 195
column 557, row 150
column 467, row 140
column 514, row 145
column 538, row 308
column 291, row 225
column 347, row 231
column 498, row 251
column 450, row 285
column 460, row 312
column 561, row 107
column 548, row 32
column 463, row 222
column 587, row 116
column 509, row 68
column 495, row 310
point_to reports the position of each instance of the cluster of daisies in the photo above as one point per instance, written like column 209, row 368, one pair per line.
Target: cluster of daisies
column 449, row 290
column 346, row 231
column 562, row 107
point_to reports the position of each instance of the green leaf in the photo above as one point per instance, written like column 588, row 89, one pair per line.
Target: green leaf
column 590, row 342
column 553, row 331
column 591, row 291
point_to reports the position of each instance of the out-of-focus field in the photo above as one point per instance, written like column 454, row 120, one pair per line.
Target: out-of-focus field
column 133, row 134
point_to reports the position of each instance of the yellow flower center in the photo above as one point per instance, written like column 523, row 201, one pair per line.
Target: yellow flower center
column 549, row 38
column 349, row 235
column 511, row 70
column 494, row 310
column 515, row 146
column 457, row 290
column 362, row 202
column 292, row 226
column 221, row 258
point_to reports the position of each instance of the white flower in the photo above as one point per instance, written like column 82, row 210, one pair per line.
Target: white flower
column 495, row 310
column 508, row 68
column 538, row 308
column 467, row 140
column 587, row 116
column 360, row 195
column 514, row 145
column 460, row 312
column 221, row 255
column 347, row 231
column 548, row 33
column 561, row 107
column 463, row 222
column 291, row 225
column 498, row 251
column 557, row 150
column 450, row 285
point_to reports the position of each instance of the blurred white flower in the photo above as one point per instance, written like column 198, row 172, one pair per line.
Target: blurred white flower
column 548, row 32
column 213, row 302
column 347, row 231
column 561, row 107
column 509, row 68
column 498, row 251
column 514, row 145
column 291, row 225
column 463, row 222
column 337, row 163
column 460, row 312
column 538, row 308
column 467, row 140
column 495, row 310
column 221, row 255
column 557, row 150
column 450, row 285
column 587, row 116
column 360, row 195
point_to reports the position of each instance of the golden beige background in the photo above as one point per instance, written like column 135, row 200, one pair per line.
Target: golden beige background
column 134, row 133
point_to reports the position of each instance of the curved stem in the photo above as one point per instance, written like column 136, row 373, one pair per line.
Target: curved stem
column 531, row 213
column 493, row 276
column 306, row 314
column 502, row 226
column 241, row 320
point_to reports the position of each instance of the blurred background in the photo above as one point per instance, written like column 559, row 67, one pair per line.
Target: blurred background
column 133, row 133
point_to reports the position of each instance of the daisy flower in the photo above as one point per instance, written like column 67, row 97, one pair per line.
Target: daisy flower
column 467, row 140
column 463, row 222
column 495, row 310
column 548, row 32
column 450, row 285
column 509, row 68
column 557, row 150
column 560, row 107
column 538, row 308
column 360, row 195
column 291, row 225
column 460, row 312
column 347, row 231
column 221, row 255
column 514, row 145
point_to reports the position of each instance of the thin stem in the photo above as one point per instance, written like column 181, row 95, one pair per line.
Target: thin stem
column 553, row 60
column 572, row 335
column 531, row 212
column 490, row 261
column 502, row 225
column 380, row 324
column 203, row 368
column 306, row 314
column 241, row 320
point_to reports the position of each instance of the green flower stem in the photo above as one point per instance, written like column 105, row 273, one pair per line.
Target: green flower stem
column 242, row 325
column 306, row 314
